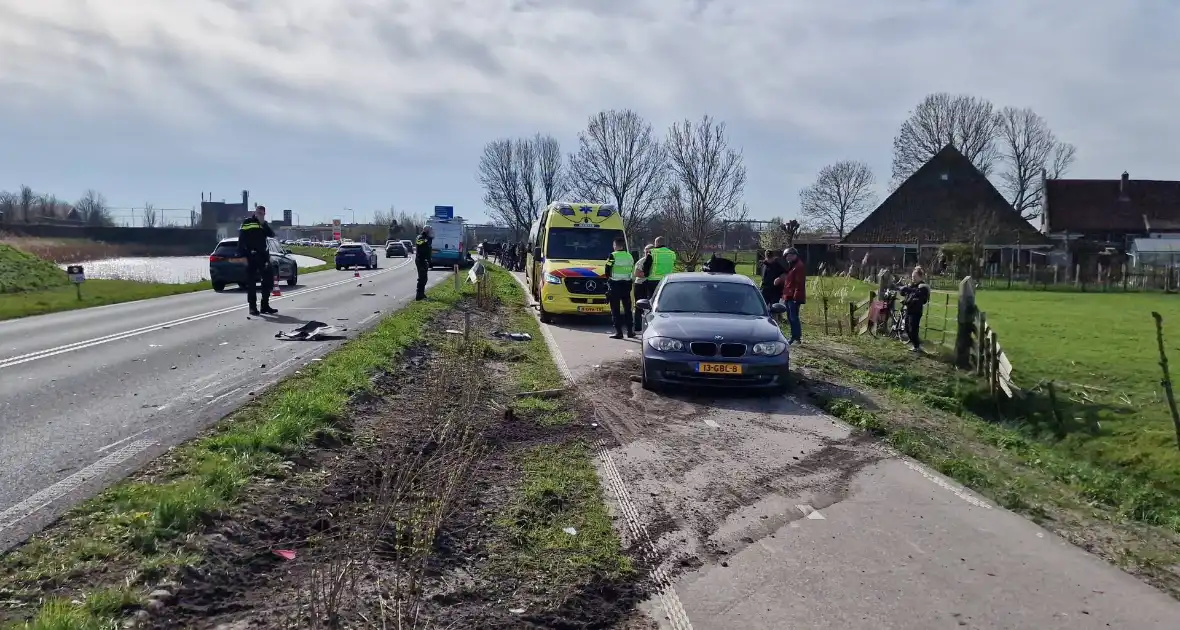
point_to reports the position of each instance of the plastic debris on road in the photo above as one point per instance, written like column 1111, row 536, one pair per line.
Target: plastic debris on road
column 311, row 331
column 514, row 336
column 285, row 554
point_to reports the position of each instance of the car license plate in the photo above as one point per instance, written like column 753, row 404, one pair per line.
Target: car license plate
column 592, row 309
column 237, row 260
column 719, row 368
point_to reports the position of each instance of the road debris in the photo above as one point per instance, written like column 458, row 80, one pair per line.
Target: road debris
column 311, row 331
column 285, row 554
column 516, row 336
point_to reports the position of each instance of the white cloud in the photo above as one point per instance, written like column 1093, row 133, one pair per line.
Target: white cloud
column 818, row 80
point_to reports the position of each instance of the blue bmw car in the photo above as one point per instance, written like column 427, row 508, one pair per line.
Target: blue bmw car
column 715, row 330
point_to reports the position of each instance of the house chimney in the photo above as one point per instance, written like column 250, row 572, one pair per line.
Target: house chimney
column 1123, row 187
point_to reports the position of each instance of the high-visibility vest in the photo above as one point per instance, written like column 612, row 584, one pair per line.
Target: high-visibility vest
column 622, row 265
column 663, row 263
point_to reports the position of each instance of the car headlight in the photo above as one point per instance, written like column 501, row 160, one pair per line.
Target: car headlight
column 769, row 348
column 666, row 344
column 552, row 279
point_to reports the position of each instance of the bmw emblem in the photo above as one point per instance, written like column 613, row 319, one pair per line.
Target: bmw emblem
column 718, row 338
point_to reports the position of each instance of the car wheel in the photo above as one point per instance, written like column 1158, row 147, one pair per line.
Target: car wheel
column 546, row 316
column 646, row 382
column 219, row 286
column 337, row 267
column 293, row 280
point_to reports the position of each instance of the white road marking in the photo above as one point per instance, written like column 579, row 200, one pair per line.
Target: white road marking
column 114, row 444
column 368, row 319
column 669, row 600
column 80, row 345
column 810, row 512
column 40, row 500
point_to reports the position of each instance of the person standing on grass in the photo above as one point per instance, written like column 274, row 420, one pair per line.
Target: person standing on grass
column 772, row 268
column 252, row 245
column 915, row 295
column 643, row 286
column 619, row 268
column 793, row 283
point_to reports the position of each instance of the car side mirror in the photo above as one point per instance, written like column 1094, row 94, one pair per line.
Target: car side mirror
column 778, row 308
column 643, row 305
column 536, row 253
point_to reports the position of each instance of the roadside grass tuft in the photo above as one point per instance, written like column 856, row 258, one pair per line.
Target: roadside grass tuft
column 560, row 490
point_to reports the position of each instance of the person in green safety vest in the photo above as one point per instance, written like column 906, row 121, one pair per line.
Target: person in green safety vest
column 619, row 268
column 663, row 261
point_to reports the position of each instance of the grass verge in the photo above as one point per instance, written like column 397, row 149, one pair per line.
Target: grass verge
column 944, row 419
column 560, row 491
column 136, row 522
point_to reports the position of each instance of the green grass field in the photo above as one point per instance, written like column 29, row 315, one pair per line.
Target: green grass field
column 1101, row 351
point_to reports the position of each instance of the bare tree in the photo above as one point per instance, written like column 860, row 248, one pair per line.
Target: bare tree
column 26, row 200
column 384, row 217
column 1028, row 148
column 525, row 156
column 149, row 215
column 840, row 197
column 550, row 169
column 93, row 208
column 708, row 181
column 503, row 189
column 966, row 122
column 9, row 203
column 620, row 160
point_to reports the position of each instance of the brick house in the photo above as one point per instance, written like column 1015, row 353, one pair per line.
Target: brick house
column 1083, row 217
column 946, row 201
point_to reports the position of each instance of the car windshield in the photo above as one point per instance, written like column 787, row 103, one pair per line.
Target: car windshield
column 581, row 243
column 730, row 298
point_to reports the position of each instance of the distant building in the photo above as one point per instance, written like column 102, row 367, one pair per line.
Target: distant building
column 1084, row 217
column 946, row 201
column 224, row 217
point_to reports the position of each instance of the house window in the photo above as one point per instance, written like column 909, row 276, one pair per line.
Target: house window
column 944, row 176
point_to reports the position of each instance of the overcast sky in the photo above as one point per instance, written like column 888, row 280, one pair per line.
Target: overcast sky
column 317, row 105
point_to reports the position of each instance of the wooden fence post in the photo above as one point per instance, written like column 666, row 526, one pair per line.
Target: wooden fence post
column 946, row 308
column 965, row 329
column 852, row 318
column 825, row 302
column 981, row 345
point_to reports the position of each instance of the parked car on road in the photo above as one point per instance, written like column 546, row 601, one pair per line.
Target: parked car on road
column 409, row 245
column 226, row 267
column 356, row 255
column 396, row 248
column 712, row 329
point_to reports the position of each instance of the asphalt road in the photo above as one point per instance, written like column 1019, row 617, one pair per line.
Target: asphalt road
column 87, row 396
column 787, row 518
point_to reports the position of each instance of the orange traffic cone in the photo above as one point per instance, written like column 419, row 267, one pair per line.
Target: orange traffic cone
column 276, row 291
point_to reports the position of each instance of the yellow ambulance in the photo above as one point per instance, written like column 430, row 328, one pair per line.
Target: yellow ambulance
column 567, row 251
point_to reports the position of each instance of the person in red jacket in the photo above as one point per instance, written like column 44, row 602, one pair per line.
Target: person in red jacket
column 794, row 286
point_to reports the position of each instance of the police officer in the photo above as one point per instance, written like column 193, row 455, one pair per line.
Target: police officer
column 422, row 253
column 619, row 267
column 252, row 245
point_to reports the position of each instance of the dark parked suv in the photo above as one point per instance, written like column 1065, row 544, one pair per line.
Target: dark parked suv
column 227, row 267
column 396, row 248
